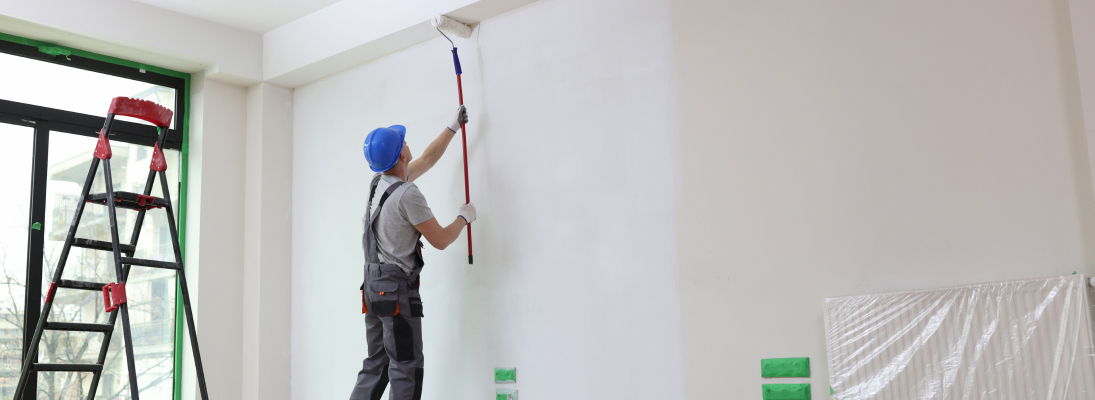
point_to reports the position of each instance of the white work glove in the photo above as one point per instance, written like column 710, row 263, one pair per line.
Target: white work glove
column 461, row 117
column 467, row 212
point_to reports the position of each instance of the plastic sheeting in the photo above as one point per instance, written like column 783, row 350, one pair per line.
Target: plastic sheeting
column 1021, row 340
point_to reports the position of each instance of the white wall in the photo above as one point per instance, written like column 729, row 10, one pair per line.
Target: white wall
column 267, row 243
column 837, row 148
column 574, row 167
column 215, row 235
column 1082, row 15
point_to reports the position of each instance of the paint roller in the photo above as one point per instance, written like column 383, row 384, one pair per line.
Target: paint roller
column 448, row 26
column 451, row 26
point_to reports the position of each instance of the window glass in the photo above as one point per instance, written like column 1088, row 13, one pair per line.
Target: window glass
column 14, row 216
column 65, row 88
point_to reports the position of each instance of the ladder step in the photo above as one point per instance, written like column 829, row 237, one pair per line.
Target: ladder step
column 151, row 263
column 100, row 245
column 68, row 367
column 129, row 200
column 78, row 327
column 67, row 284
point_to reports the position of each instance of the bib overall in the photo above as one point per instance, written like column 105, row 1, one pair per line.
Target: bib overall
column 393, row 316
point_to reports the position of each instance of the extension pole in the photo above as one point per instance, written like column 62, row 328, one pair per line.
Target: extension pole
column 464, row 139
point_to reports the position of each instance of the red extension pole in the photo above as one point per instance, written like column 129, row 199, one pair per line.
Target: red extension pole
column 464, row 139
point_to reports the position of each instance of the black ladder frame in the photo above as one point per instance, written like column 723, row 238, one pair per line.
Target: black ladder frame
column 122, row 267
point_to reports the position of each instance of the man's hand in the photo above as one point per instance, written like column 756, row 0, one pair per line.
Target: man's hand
column 460, row 118
column 467, row 212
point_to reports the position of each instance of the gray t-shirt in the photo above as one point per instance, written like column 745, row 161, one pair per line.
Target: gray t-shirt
column 397, row 238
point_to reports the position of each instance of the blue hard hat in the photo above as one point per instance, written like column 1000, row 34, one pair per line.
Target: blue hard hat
column 382, row 147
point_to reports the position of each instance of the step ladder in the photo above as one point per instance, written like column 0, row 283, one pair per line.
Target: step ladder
column 114, row 294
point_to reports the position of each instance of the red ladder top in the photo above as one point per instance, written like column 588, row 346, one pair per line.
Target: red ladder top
column 142, row 109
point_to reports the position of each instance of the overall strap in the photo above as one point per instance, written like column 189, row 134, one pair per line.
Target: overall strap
column 370, row 243
column 372, row 191
column 384, row 198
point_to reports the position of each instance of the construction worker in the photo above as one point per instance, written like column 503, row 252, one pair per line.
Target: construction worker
column 393, row 260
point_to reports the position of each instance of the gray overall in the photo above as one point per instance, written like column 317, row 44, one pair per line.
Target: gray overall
column 393, row 321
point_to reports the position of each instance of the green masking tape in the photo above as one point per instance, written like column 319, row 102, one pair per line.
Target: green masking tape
column 36, row 226
column 785, row 367
column 786, row 391
column 55, row 51
column 505, row 375
column 506, row 394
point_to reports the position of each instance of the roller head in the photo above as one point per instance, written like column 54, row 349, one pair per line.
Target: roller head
column 451, row 27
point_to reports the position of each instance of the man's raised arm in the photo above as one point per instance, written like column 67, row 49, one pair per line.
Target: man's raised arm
column 437, row 148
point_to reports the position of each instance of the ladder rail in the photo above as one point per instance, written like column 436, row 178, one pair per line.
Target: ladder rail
column 182, row 287
column 148, row 185
column 127, row 332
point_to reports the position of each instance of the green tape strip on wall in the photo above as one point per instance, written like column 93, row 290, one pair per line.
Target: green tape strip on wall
column 786, row 391
column 785, row 367
column 505, row 375
column 506, row 394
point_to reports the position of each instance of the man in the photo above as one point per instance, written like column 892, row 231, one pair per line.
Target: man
column 393, row 260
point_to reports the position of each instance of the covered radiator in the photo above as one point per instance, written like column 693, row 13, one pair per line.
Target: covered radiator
column 1018, row 340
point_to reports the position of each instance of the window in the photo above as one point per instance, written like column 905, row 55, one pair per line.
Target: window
column 51, row 109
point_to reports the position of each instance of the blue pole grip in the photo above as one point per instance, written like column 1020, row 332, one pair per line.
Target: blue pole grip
column 456, row 60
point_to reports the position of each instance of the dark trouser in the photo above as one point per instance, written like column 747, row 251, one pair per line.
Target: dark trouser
column 393, row 328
